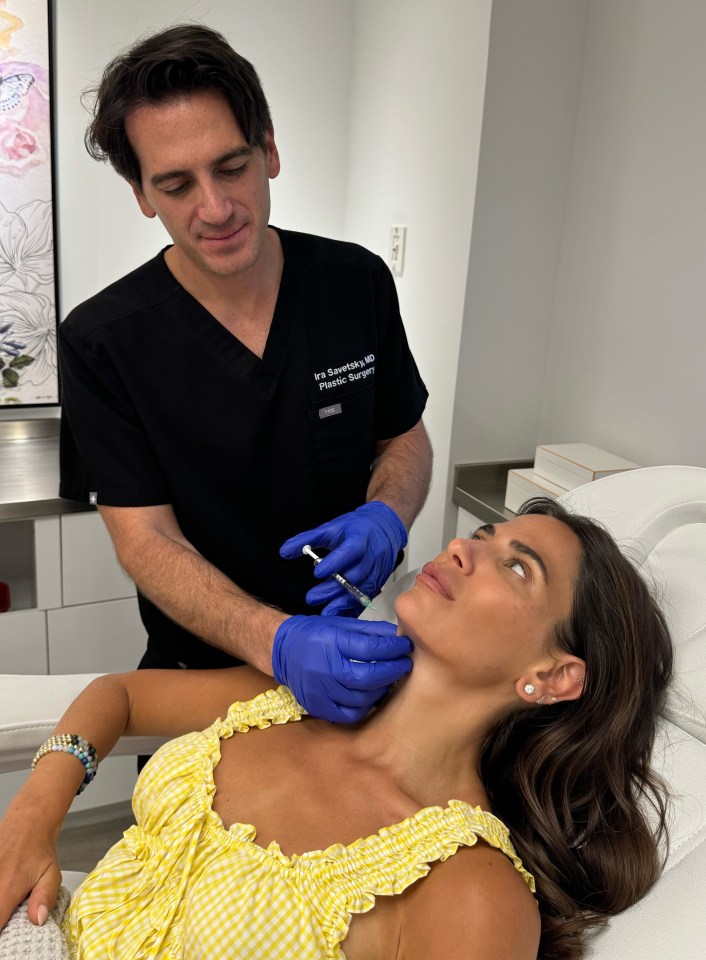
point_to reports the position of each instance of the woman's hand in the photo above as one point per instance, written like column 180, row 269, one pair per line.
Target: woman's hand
column 28, row 867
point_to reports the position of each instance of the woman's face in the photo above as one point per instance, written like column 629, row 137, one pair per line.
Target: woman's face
column 489, row 604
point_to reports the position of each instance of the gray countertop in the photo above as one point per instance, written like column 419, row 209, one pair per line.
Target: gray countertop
column 29, row 471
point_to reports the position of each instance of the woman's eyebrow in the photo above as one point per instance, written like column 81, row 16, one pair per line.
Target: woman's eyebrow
column 529, row 552
column 489, row 530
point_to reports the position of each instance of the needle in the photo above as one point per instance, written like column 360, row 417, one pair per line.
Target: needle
column 354, row 591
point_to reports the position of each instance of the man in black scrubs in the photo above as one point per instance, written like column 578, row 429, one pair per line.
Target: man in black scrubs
column 246, row 384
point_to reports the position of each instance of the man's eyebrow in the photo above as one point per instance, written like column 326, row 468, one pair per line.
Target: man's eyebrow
column 529, row 552
column 174, row 174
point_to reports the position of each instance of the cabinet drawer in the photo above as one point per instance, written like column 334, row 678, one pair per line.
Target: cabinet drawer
column 96, row 637
column 90, row 570
column 466, row 523
column 23, row 641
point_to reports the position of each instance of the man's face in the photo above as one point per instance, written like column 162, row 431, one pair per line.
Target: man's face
column 207, row 186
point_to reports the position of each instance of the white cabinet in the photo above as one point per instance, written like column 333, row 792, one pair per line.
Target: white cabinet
column 96, row 637
column 23, row 642
column 73, row 610
column 466, row 522
column 89, row 569
column 17, row 566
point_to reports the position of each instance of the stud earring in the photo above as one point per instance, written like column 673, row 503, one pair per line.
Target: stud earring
column 580, row 681
column 541, row 701
column 529, row 689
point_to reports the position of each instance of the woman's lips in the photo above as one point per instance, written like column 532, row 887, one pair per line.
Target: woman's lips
column 433, row 578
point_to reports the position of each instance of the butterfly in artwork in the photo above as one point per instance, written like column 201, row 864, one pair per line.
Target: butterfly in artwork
column 14, row 87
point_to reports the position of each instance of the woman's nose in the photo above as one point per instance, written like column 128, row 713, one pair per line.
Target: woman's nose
column 462, row 552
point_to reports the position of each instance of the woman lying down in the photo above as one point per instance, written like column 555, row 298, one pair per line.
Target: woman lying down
column 492, row 807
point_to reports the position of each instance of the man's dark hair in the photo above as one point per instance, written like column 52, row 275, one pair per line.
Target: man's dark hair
column 180, row 60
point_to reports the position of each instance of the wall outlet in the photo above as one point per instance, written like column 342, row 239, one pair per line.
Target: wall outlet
column 398, row 235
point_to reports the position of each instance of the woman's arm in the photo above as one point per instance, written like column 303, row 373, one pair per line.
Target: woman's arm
column 148, row 702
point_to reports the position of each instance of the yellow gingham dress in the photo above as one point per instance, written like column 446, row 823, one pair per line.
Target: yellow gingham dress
column 178, row 886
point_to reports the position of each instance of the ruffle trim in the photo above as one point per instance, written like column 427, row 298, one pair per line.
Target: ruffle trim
column 271, row 707
column 344, row 880
column 191, row 758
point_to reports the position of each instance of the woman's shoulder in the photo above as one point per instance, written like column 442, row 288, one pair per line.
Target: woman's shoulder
column 475, row 906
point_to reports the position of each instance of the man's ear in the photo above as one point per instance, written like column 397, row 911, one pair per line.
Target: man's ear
column 272, row 155
column 142, row 202
column 561, row 679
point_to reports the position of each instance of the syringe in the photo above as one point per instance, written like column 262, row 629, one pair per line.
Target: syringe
column 354, row 591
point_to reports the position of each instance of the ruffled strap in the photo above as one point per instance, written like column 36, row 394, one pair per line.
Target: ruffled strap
column 346, row 880
column 271, row 707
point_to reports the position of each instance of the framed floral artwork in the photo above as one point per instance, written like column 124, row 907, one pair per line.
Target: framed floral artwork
column 28, row 296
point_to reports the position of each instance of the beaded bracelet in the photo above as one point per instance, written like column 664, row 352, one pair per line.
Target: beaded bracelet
column 78, row 746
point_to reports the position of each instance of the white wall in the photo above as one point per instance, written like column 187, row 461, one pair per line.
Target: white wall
column 302, row 52
column 417, row 91
column 586, row 284
column 531, row 101
column 625, row 367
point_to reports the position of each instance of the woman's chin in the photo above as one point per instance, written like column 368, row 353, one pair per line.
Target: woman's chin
column 405, row 626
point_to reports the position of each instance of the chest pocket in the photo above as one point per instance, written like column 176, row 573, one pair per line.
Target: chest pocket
column 343, row 445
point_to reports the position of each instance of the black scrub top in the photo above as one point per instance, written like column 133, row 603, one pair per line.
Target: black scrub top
column 161, row 404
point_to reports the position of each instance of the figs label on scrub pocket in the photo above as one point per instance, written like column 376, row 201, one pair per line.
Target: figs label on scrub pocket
column 330, row 411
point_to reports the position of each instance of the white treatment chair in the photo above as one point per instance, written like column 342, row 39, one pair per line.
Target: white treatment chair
column 658, row 515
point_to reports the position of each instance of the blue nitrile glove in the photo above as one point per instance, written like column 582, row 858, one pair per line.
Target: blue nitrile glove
column 364, row 545
column 339, row 668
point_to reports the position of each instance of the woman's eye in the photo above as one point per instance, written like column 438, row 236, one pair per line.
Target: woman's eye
column 518, row 568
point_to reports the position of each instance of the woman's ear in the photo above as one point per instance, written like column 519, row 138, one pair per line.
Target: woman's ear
column 565, row 679
column 562, row 680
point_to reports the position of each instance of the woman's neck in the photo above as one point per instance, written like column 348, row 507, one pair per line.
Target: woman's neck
column 427, row 737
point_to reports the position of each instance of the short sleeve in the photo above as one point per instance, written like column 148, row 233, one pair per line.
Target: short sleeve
column 104, row 450
column 400, row 391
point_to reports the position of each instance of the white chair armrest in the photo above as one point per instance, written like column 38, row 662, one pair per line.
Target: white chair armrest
column 31, row 708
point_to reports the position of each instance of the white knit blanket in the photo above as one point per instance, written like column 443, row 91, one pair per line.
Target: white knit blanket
column 20, row 939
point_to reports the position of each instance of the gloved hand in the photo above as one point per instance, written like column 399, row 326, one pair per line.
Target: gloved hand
column 364, row 545
column 338, row 668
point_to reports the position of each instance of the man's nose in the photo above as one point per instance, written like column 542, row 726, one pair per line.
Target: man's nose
column 215, row 205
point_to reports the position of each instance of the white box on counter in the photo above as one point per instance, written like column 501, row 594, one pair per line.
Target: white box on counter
column 523, row 484
column 572, row 464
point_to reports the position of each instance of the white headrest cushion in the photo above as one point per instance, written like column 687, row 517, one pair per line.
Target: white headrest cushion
column 658, row 517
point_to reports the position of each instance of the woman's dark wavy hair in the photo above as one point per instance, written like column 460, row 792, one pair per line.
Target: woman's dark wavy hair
column 180, row 60
column 573, row 781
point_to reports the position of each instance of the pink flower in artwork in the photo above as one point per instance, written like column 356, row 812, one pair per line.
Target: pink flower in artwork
column 17, row 145
column 24, row 126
